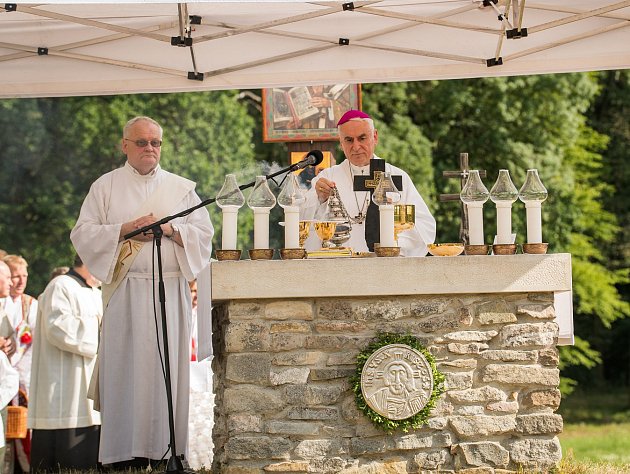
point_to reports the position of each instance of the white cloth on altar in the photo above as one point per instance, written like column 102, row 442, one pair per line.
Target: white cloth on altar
column 563, row 306
column 412, row 242
column 64, row 351
column 132, row 389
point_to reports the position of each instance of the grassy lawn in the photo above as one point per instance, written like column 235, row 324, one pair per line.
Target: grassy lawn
column 596, row 437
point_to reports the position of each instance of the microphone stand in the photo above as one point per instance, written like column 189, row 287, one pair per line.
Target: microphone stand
column 174, row 464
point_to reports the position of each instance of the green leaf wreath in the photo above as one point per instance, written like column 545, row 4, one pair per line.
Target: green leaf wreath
column 413, row 422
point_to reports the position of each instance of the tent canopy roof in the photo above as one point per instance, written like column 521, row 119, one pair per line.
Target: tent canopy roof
column 91, row 48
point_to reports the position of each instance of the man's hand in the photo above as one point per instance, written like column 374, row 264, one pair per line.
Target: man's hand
column 323, row 188
column 138, row 224
column 7, row 345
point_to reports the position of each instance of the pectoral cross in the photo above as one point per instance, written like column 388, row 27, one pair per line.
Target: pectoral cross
column 463, row 175
column 369, row 183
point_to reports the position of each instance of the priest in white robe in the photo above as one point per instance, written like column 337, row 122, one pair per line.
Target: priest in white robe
column 131, row 388
column 358, row 139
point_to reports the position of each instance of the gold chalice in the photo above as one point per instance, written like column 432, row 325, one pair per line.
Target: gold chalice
column 404, row 218
column 305, row 228
column 325, row 231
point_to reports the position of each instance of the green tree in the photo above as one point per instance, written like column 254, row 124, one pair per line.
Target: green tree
column 519, row 123
column 53, row 149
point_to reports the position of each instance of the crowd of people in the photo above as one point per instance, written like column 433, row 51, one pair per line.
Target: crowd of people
column 88, row 354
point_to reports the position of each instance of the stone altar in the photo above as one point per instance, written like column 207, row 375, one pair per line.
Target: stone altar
column 286, row 338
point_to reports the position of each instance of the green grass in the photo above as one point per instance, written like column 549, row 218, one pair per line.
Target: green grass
column 596, row 436
column 597, row 443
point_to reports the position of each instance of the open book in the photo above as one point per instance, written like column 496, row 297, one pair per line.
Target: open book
column 293, row 104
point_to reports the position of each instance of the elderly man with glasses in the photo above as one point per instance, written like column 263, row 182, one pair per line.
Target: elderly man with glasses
column 133, row 401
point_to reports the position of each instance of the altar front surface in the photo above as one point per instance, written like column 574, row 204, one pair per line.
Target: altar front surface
column 286, row 337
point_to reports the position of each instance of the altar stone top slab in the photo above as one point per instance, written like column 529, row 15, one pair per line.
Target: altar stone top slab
column 262, row 279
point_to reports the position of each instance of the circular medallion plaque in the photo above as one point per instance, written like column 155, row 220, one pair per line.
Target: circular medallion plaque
column 397, row 381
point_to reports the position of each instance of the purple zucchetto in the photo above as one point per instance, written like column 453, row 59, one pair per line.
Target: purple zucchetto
column 352, row 114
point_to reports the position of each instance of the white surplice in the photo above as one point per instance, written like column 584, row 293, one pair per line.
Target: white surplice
column 412, row 242
column 132, row 390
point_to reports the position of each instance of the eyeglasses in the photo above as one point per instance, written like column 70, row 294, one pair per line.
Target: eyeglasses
column 143, row 143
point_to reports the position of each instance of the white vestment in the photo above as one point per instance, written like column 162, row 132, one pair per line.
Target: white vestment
column 9, row 381
column 21, row 358
column 412, row 242
column 132, row 391
column 64, row 350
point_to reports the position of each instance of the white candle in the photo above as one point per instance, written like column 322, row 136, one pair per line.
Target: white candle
column 261, row 228
column 228, row 232
column 534, row 222
column 504, row 222
column 386, row 217
column 475, row 223
column 291, row 227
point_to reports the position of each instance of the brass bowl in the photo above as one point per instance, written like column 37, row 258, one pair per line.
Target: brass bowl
column 504, row 249
column 292, row 254
column 535, row 248
column 260, row 254
column 476, row 249
column 445, row 250
column 386, row 251
column 228, row 254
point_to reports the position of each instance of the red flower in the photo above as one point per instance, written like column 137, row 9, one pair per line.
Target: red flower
column 26, row 338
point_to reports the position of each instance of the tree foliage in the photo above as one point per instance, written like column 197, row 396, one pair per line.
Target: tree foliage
column 53, row 149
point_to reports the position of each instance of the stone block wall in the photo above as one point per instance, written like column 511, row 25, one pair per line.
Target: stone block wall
column 284, row 402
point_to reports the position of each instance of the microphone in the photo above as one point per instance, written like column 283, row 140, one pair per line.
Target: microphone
column 313, row 158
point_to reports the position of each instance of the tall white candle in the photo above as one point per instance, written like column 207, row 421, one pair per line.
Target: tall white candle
column 386, row 217
column 228, row 232
column 475, row 223
column 504, row 222
column 534, row 222
column 291, row 227
column 261, row 228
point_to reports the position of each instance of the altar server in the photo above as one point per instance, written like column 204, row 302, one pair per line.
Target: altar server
column 65, row 426
column 133, row 402
column 358, row 139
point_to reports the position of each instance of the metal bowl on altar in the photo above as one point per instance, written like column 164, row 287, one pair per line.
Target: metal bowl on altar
column 446, row 250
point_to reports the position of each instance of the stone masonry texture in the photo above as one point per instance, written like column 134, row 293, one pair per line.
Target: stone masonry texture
column 284, row 402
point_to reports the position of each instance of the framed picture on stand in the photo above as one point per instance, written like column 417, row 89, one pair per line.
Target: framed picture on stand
column 307, row 113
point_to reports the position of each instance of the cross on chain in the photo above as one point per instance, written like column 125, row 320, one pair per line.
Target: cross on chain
column 463, row 175
column 369, row 183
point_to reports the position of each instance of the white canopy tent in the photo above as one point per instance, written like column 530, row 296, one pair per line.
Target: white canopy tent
column 90, row 47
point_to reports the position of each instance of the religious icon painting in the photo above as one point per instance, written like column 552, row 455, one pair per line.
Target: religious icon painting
column 306, row 113
column 305, row 175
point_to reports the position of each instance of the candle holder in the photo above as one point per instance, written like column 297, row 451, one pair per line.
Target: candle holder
column 292, row 254
column 533, row 193
column 503, row 194
column 290, row 199
column 474, row 194
column 227, row 254
column 535, row 248
column 504, row 249
column 385, row 196
column 260, row 254
column 476, row 249
column 230, row 199
column 386, row 251
column 261, row 201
